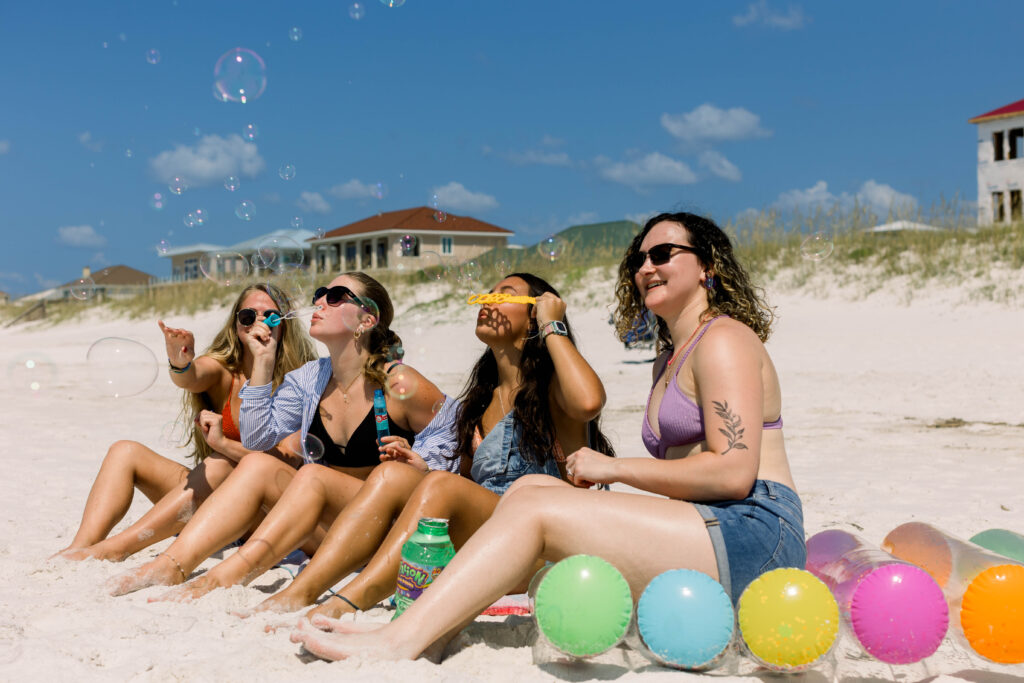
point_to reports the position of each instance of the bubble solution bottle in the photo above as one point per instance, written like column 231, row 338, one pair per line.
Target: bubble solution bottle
column 380, row 415
column 424, row 555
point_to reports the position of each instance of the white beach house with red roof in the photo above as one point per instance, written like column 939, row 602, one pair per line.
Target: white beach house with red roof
column 1000, row 164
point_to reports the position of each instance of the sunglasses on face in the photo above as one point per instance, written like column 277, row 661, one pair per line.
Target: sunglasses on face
column 659, row 255
column 337, row 295
column 247, row 316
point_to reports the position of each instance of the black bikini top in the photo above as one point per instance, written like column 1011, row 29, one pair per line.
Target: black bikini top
column 361, row 449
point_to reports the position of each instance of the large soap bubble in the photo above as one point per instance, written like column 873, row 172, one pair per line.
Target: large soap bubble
column 240, row 75
column 120, row 367
column 280, row 252
column 224, row 268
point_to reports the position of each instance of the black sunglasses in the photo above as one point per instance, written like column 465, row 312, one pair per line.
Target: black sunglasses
column 337, row 295
column 659, row 255
column 247, row 316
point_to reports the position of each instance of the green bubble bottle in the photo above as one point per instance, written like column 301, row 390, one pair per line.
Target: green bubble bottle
column 424, row 555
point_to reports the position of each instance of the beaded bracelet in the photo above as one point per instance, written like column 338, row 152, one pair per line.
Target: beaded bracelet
column 177, row 370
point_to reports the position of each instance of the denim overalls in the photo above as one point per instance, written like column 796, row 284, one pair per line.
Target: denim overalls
column 498, row 460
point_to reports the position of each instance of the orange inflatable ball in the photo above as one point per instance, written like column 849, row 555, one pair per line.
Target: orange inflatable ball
column 992, row 614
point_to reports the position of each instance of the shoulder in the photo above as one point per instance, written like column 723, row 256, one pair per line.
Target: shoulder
column 727, row 340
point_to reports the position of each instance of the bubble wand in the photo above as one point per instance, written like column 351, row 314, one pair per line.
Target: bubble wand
column 273, row 320
column 499, row 298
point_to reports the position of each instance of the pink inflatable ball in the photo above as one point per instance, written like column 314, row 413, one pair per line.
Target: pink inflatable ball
column 895, row 610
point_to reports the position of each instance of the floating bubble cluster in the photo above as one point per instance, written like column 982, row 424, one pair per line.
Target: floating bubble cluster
column 195, row 219
column 153, row 56
column 177, row 185
column 120, row 367
column 231, row 183
column 817, row 247
column 356, row 11
column 83, row 288
column 250, row 132
column 240, row 75
column 287, row 172
column 163, row 246
column 245, row 210
column 552, row 247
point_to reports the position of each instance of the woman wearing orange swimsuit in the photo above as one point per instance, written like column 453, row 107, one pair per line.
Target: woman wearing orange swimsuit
column 210, row 381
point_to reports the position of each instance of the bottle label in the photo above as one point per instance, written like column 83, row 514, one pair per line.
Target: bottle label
column 413, row 578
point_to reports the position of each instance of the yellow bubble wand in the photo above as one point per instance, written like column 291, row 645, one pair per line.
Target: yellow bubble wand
column 499, row 298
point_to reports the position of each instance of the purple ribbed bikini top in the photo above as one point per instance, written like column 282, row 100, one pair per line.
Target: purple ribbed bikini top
column 680, row 419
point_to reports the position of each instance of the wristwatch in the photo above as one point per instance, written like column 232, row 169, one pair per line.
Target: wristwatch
column 553, row 327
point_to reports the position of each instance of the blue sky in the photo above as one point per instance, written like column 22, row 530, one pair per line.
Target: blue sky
column 530, row 115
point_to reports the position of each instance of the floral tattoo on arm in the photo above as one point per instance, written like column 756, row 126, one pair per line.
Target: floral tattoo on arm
column 733, row 427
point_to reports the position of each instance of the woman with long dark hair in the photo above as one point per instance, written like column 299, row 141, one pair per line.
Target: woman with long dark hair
column 531, row 398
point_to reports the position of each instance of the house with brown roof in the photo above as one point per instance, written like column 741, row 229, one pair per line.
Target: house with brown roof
column 110, row 282
column 382, row 241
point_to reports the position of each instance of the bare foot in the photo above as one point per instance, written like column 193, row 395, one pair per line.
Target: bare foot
column 281, row 602
column 338, row 626
column 333, row 607
column 335, row 646
column 160, row 571
column 187, row 592
column 98, row 551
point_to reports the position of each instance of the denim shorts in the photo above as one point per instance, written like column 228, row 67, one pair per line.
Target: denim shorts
column 764, row 531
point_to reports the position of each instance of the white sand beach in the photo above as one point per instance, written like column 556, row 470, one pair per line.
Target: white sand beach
column 865, row 383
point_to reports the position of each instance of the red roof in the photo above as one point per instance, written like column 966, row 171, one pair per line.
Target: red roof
column 418, row 219
column 117, row 275
column 1001, row 113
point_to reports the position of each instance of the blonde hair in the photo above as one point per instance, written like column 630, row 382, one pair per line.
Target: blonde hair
column 293, row 350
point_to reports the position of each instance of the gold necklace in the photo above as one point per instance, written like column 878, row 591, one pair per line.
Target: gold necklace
column 344, row 392
column 504, row 411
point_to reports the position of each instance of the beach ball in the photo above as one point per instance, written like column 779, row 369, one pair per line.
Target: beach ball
column 992, row 614
column 1006, row 543
column 685, row 619
column 788, row 619
column 899, row 614
column 583, row 606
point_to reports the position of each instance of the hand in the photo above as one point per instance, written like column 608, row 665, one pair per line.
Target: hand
column 212, row 426
column 548, row 307
column 397, row 448
column 587, row 467
column 261, row 341
column 181, row 345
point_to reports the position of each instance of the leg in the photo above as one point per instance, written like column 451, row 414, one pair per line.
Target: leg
column 640, row 535
column 314, row 497
column 467, row 506
column 128, row 465
column 354, row 535
column 257, row 481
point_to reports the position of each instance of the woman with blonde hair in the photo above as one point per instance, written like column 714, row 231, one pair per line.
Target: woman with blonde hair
column 724, row 500
column 329, row 401
column 210, row 410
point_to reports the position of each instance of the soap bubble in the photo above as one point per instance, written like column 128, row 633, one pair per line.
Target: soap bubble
column 232, row 183
column 177, row 185
column 240, row 75
column 356, row 11
column 320, row 233
column 440, row 215
column 362, row 316
column 287, row 172
column 245, row 210
column 197, row 131
column 380, row 190
column 128, row 153
column 552, row 247
column 83, row 288
column 402, row 383
column 405, row 245
column 433, row 265
column 438, row 405
column 394, row 353
column 392, row 3
column 297, row 222
column 250, row 132
column 156, row 202
column 470, row 272
column 295, row 34
column 817, row 247
column 313, row 449
column 163, row 246
column 280, row 252
column 173, row 434
column 153, row 56
column 224, row 268
column 31, row 374
column 120, row 367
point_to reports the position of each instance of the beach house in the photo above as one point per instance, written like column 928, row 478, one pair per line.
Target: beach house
column 1000, row 163
column 292, row 244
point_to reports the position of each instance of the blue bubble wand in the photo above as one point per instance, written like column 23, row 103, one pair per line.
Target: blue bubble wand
column 273, row 320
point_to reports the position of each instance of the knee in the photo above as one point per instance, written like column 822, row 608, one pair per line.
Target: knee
column 391, row 473
column 523, row 501
column 257, row 464
column 436, row 485
column 122, row 452
column 310, row 474
column 217, row 469
column 532, row 480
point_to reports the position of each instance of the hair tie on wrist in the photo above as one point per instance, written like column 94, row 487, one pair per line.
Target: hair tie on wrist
column 176, row 370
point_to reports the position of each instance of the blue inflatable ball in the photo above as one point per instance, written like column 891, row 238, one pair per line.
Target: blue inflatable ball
column 685, row 619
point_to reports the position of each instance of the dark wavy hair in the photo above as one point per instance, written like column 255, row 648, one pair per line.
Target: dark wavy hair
column 380, row 339
column 531, row 408
column 733, row 294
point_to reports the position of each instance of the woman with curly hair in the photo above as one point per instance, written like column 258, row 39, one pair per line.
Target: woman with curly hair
column 210, row 409
column 531, row 398
column 724, row 502
column 330, row 399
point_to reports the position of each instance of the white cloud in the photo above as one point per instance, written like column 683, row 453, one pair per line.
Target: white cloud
column 540, row 157
column 878, row 197
column 354, row 189
column 92, row 145
column 719, row 165
column 551, row 141
column 457, row 198
column 5, row 146
column 313, row 202
column 708, row 122
column 80, row 236
column 761, row 13
column 209, row 161
column 653, row 169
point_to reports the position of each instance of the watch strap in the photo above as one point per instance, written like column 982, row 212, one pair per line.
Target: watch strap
column 553, row 327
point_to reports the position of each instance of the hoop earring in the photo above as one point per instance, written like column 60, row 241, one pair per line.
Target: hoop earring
column 709, row 283
column 358, row 333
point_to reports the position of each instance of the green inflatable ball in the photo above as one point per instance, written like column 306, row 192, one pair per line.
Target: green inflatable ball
column 583, row 606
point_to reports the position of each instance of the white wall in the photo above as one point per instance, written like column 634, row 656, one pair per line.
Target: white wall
column 997, row 176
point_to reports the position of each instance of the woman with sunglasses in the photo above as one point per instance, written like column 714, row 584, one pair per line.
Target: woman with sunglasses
column 329, row 401
column 724, row 502
column 531, row 397
column 210, row 407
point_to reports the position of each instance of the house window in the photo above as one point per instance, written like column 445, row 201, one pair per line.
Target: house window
column 350, row 257
column 447, row 245
column 1016, row 149
column 191, row 269
column 998, row 210
column 1015, row 207
column 997, row 145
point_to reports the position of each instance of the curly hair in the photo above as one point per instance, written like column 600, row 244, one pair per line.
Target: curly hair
column 294, row 350
column 530, row 407
column 733, row 294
